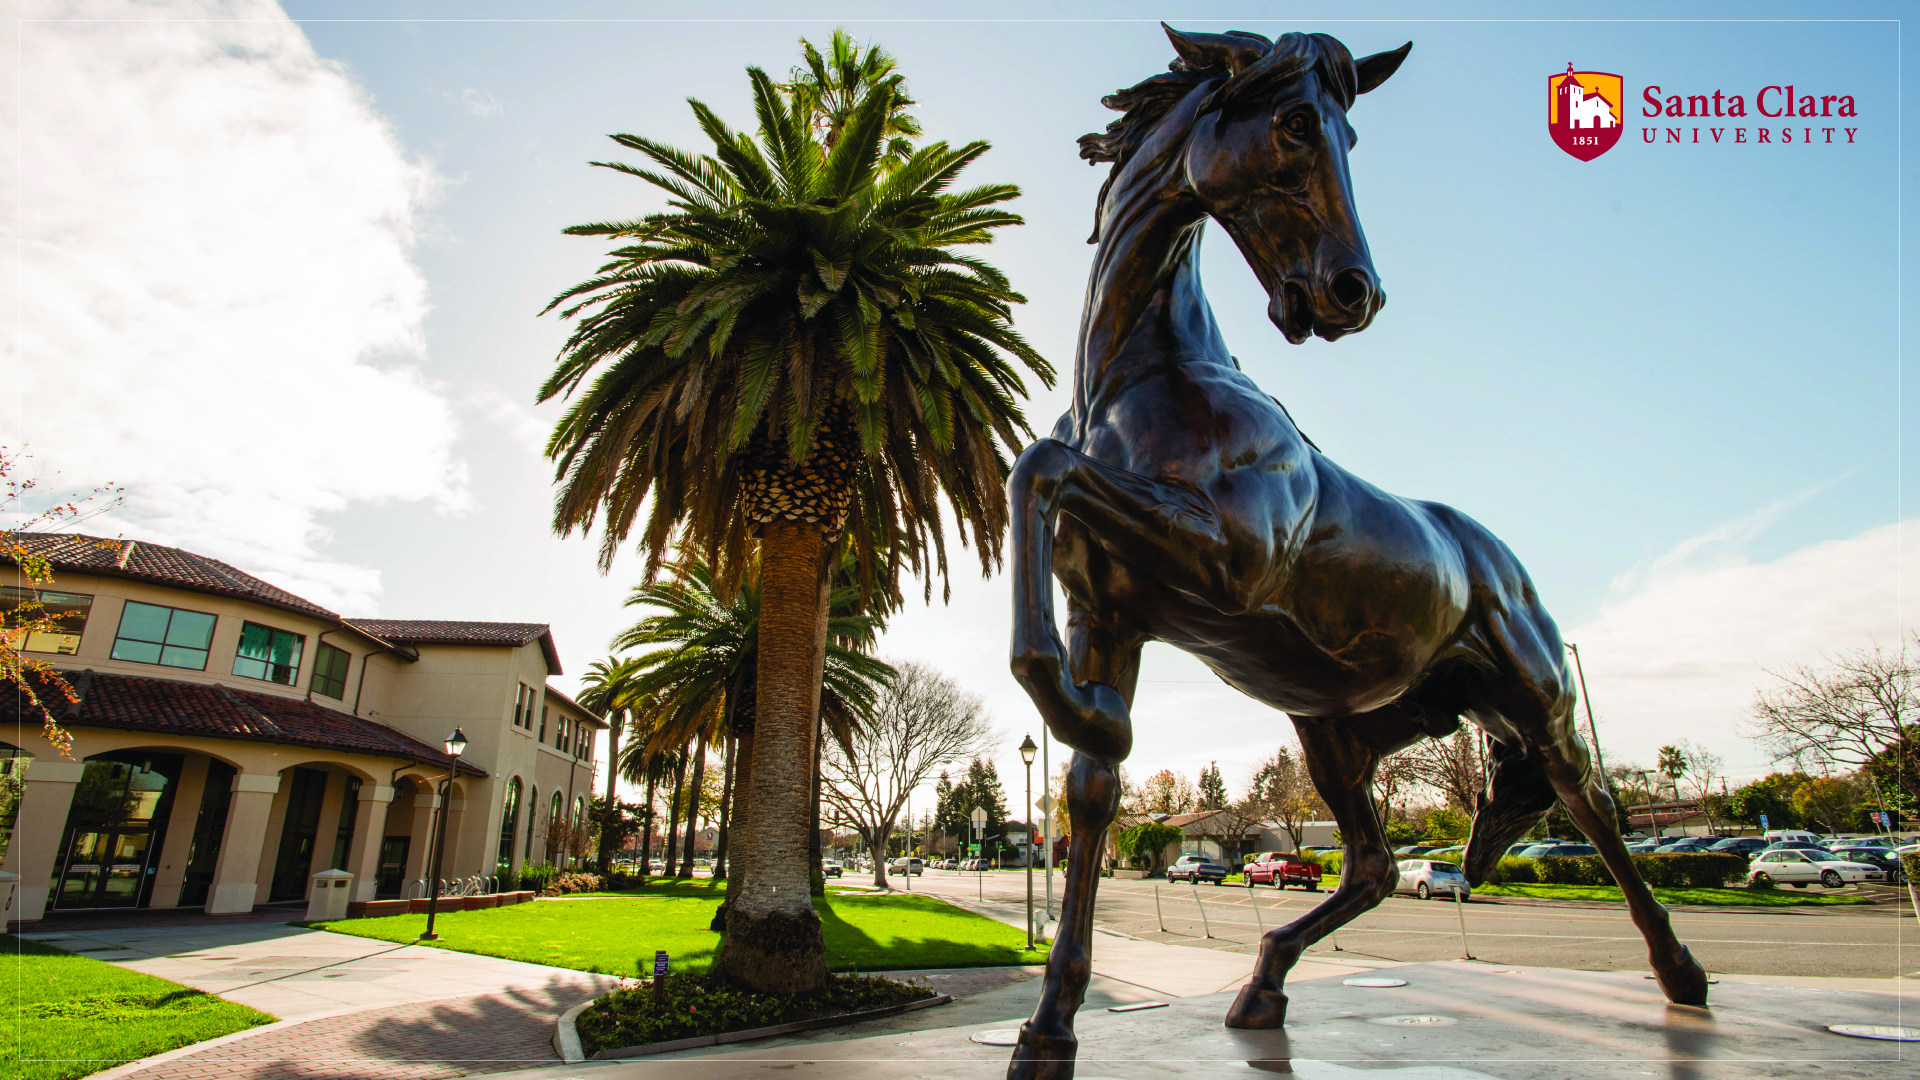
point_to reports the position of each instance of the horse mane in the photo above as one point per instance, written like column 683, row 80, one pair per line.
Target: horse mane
column 1144, row 104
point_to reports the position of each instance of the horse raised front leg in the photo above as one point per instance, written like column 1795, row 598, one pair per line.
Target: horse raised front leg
column 1341, row 752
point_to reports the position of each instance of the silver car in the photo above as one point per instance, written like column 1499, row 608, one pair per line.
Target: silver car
column 1426, row 878
column 1802, row 868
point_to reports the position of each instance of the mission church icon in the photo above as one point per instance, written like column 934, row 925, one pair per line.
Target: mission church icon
column 1583, row 112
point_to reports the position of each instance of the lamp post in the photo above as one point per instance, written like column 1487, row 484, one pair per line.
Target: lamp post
column 456, row 745
column 1652, row 818
column 1027, row 748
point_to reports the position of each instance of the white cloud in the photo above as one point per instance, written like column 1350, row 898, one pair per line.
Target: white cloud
column 519, row 423
column 1681, row 649
column 218, row 298
column 478, row 102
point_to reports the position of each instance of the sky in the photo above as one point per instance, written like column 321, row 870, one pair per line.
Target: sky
column 278, row 271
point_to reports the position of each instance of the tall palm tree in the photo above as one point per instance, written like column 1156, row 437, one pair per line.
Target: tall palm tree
column 793, row 349
column 606, row 690
column 831, row 87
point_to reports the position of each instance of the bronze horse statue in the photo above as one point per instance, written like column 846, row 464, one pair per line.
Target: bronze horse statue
column 1178, row 502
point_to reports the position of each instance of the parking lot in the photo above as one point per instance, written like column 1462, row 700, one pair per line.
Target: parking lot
column 1880, row 941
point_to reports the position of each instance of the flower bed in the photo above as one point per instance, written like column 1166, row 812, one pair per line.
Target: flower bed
column 695, row 1005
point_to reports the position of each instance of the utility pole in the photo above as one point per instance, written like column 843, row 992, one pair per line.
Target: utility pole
column 1593, row 733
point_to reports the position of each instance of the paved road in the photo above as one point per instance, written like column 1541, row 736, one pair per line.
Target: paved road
column 1853, row 942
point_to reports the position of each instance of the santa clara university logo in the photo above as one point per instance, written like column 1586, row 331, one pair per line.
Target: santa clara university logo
column 1583, row 112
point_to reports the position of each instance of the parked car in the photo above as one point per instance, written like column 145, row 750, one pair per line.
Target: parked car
column 1774, row 836
column 1794, row 845
column 1801, row 867
column 1521, row 847
column 1861, row 842
column 1196, row 868
column 900, row 866
column 1739, row 845
column 1685, row 845
column 1880, row 857
column 829, row 868
column 1644, row 847
column 1540, row 850
column 1426, row 878
column 1414, row 851
column 1281, row 869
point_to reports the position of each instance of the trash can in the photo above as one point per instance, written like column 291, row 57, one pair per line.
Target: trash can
column 328, row 900
column 9, row 886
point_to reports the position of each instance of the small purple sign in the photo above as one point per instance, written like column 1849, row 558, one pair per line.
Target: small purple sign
column 660, row 962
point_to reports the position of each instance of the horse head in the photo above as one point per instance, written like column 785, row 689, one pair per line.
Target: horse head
column 1265, row 154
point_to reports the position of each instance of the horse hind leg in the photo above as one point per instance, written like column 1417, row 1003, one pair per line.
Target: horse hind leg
column 1538, row 703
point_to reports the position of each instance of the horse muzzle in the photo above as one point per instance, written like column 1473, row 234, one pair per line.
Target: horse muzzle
column 1345, row 303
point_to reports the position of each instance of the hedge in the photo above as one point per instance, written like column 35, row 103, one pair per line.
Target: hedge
column 1693, row 870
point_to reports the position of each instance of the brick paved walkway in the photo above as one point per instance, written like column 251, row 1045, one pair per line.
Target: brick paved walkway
column 430, row 1040
column 434, row 1040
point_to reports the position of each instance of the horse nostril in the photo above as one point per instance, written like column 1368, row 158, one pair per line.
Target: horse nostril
column 1352, row 288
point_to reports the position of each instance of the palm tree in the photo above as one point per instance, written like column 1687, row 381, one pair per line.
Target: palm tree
column 831, row 87
column 606, row 690
column 793, row 349
column 699, row 677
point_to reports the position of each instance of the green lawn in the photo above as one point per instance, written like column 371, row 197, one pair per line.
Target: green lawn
column 69, row 1015
column 611, row 934
column 1707, row 897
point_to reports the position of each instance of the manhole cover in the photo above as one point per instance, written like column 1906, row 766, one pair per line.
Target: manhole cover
column 1375, row 981
column 997, row 1037
column 1877, row 1031
column 1139, row 1005
column 1411, row 1021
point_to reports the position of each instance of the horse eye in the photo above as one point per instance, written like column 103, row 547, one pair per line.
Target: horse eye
column 1297, row 126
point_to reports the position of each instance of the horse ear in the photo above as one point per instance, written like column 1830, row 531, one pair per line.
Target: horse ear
column 1379, row 67
column 1233, row 51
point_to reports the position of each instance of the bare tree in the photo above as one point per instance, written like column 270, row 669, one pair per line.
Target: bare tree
column 1167, row 792
column 1391, row 777
column 1704, row 769
column 923, row 722
column 1843, row 713
column 1282, row 789
column 1456, row 767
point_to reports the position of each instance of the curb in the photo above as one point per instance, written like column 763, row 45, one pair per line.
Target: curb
column 566, row 1036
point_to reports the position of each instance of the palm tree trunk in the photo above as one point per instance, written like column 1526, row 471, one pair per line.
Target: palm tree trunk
column 741, row 832
column 693, row 807
column 816, row 874
column 646, row 827
column 673, row 814
column 611, row 811
column 726, row 809
column 773, row 942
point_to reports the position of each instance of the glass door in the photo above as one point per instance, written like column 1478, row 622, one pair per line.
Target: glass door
column 105, row 868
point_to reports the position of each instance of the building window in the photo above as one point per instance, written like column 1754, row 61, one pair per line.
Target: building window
column 519, row 701
column 543, row 723
column 566, row 733
column 150, row 634
column 509, row 825
column 67, row 610
column 266, row 653
column 330, row 671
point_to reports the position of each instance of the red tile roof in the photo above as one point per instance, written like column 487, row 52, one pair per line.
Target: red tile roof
column 221, row 712
column 584, row 711
column 458, row 632
column 142, row 561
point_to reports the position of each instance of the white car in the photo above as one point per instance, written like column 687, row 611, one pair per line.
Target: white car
column 1800, row 867
column 1426, row 878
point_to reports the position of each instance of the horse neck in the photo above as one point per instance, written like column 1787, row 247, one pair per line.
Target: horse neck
column 1144, row 304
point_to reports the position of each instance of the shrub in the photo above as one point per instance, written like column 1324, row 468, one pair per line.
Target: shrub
column 570, row 882
column 1692, row 870
column 1513, row 870
column 1329, row 861
column 1144, row 842
column 535, row 876
column 1910, row 862
column 702, row 1005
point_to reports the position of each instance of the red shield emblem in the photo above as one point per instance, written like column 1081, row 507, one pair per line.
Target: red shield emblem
column 1584, row 112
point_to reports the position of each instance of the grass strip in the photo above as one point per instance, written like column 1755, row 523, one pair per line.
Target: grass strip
column 70, row 1016
column 615, row 934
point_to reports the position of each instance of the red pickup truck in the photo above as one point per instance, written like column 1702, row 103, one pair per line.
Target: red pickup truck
column 1281, row 869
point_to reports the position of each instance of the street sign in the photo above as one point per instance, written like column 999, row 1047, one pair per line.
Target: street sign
column 1763, row 821
column 1045, row 804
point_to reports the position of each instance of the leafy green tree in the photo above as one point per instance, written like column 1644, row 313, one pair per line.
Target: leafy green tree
column 1772, row 796
column 1145, row 845
column 1830, row 802
column 795, row 354
column 1894, row 774
column 1213, row 789
column 1446, row 823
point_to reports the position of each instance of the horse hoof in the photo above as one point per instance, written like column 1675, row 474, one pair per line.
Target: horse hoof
column 1042, row 1057
column 1258, row 1008
column 1685, row 983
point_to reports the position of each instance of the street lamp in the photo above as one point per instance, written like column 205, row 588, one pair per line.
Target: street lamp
column 1027, row 747
column 456, row 745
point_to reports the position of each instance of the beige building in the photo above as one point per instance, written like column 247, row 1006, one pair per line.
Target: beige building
column 231, row 739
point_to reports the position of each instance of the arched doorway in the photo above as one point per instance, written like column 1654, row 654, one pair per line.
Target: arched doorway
column 509, row 828
column 116, row 825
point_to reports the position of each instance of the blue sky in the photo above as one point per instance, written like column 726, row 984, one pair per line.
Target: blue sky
column 1669, row 378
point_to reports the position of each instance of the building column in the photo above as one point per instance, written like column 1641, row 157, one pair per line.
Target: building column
column 178, row 842
column 369, row 831
column 236, row 875
column 328, row 826
column 38, row 830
